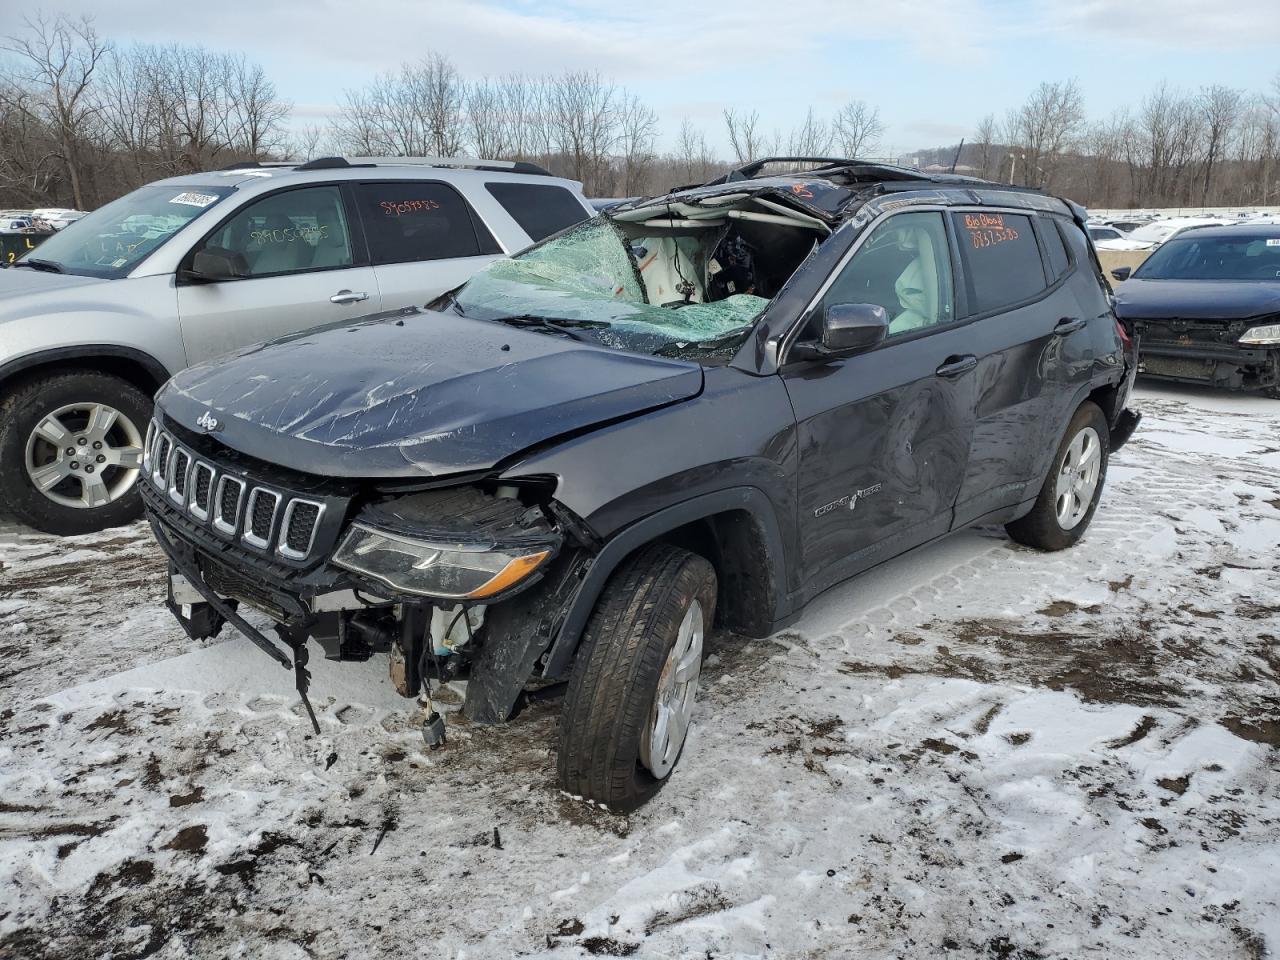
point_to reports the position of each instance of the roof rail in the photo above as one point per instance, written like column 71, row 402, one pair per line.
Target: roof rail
column 461, row 163
column 329, row 163
column 257, row 164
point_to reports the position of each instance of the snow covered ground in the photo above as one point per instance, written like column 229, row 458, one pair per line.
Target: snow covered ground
column 973, row 751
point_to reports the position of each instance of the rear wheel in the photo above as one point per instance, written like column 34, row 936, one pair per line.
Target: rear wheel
column 631, row 696
column 1073, row 488
column 71, row 451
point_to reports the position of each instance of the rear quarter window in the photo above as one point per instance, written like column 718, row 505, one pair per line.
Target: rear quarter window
column 1054, row 248
column 1001, row 259
column 415, row 221
column 539, row 208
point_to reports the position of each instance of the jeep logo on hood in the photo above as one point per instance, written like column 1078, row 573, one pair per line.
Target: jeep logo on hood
column 207, row 422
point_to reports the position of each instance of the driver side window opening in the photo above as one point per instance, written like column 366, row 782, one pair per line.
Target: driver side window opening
column 904, row 266
column 288, row 232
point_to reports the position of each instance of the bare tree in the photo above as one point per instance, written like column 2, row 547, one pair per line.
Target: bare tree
column 416, row 110
column 56, row 59
column 857, row 128
column 692, row 158
column 986, row 144
column 486, row 120
column 1221, row 109
column 1044, row 126
column 1257, row 156
column 584, row 111
column 811, row 139
column 307, row 143
column 1104, row 146
column 638, row 129
column 1168, row 133
column 445, row 94
column 256, row 114
column 745, row 138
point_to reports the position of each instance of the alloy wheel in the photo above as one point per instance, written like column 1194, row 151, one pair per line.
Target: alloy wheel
column 1078, row 478
column 84, row 455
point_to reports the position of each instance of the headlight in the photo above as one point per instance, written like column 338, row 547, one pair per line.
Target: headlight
column 452, row 571
column 1268, row 335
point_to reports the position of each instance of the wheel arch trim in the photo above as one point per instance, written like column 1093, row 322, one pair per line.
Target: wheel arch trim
column 751, row 500
column 84, row 353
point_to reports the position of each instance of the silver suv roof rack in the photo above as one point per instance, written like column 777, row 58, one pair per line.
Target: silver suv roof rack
column 460, row 163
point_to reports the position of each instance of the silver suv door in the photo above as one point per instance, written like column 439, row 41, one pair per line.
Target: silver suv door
column 296, row 265
column 424, row 238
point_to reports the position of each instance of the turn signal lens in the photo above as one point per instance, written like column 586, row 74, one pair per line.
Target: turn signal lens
column 512, row 573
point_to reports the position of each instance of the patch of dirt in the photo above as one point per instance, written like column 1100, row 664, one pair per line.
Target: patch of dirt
column 1176, row 785
column 1063, row 608
column 983, row 723
column 608, row 947
column 72, row 829
column 190, row 839
column 183, row 799
column 1144, row 727
column 1258, row 730
column 695, row 902
column 114, row 721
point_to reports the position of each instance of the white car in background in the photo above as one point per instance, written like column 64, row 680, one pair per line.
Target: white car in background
column 55, row 218
column 1109, row 238
column 1158, row 231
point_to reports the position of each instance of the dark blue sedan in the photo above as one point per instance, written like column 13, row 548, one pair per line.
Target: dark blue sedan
column 1206, row 308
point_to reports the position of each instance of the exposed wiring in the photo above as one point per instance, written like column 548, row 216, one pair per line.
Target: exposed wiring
column 684, row 287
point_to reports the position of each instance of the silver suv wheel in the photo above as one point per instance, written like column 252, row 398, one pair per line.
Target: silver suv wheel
column 84, row 455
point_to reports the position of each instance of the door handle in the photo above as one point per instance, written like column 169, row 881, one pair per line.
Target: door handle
column 1068, row 325
column 348, row 296
column 954, row 366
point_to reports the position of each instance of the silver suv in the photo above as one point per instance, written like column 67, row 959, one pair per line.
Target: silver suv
column 183, row 270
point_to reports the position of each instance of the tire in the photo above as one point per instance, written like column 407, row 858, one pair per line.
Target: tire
column 607, row 745
column 1044, row 527
column 71, row 398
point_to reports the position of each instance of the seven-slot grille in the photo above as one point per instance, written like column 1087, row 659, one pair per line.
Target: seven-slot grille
column 234, row 506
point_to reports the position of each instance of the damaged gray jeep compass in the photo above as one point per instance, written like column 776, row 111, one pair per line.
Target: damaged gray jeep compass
column 698, row 409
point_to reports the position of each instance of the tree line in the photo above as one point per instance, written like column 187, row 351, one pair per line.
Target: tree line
column 1215, row 146
column 83, row 120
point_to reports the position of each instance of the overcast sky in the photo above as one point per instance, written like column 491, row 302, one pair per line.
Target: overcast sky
column 933, row 67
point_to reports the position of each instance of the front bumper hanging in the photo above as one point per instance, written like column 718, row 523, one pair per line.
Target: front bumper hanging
column 183, row 561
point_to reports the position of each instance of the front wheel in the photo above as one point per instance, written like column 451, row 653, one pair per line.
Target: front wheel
column 71, row 450
column 1073, row 488
column 631, row 695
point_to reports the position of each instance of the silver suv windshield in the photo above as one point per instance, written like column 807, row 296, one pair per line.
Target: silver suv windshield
column 114, row 239
column 646, row 294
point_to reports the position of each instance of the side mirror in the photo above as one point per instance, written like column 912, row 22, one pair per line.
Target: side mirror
column 1122, row 273
column 847, row 329
column 216, row 263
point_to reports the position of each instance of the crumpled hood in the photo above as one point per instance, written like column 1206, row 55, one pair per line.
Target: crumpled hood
column 24, row 291
column 412, row 393
column 1139, row 299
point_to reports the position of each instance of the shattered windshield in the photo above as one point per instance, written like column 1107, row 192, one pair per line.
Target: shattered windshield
column 646, row 294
